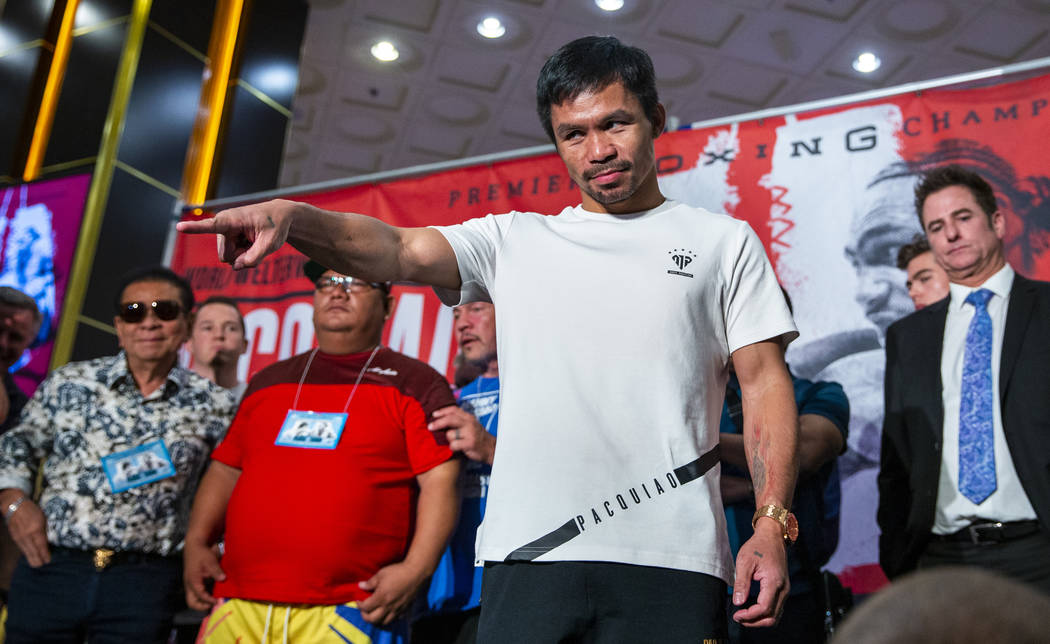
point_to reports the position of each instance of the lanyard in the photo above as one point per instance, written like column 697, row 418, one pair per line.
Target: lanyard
column 360, row 375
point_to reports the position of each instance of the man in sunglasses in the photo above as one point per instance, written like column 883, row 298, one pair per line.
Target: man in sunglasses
column 124, row 440
column 334, row 498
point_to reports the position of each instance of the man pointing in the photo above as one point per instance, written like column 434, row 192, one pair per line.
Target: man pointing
column 616, row 320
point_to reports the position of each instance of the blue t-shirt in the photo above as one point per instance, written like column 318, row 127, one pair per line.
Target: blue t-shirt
column 456, row 584
column 816, row 499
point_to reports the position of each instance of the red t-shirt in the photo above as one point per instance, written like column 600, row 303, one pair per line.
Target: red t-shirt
column 306, row 525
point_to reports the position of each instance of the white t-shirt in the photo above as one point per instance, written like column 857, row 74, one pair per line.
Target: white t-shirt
column 614, row 333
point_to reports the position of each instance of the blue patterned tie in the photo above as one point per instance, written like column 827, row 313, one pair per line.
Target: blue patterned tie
column 976, row 449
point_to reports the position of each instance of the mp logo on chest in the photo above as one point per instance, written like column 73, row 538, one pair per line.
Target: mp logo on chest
column 681, row 258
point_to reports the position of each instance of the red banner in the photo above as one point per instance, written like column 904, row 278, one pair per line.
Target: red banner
column 829, row 193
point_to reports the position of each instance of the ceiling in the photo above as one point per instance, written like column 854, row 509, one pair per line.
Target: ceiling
column 454, row 94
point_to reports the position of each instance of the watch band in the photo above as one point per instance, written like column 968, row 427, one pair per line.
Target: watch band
column 780, row 514
column 14, row 506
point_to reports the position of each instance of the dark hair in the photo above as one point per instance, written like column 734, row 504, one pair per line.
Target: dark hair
column 919, row 245
column 155, row 274
column 954, row 175
column 13, row 298
column 220, row 299
column 593, row 63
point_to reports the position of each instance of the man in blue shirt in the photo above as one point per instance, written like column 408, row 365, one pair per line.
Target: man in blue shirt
column 823, row 415
column 453, row 601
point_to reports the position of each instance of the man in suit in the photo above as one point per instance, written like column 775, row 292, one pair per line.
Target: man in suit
column 965, row 475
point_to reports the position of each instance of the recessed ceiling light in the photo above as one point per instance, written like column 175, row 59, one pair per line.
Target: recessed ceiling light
column 385, row 51
column 491, row 27
column 609, row 5
column 866, row 63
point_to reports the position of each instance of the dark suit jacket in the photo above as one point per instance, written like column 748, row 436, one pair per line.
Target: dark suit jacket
column 914, row 418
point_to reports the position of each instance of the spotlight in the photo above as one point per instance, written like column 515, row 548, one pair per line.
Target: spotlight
column 609, row 5
column 385, row 51
column 491, row 27
column 866, row 63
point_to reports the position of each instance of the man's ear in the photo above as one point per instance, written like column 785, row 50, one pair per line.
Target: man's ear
column 388, row 305
column 659, row 121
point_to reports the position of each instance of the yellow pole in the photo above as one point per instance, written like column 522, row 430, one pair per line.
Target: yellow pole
column 200, row 156
column 98, row 193
column 56, row 73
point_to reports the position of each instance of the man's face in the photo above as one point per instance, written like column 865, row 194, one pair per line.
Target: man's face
column 16, row 332
column 883, row 223
column 217, row 337
column 606, row 142
column 927, row 282
column 475, row 329
column 151, row 339
column 337, row 309
column 879, row 289
column 964, row 240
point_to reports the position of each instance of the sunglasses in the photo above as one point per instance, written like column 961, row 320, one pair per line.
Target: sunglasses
column 348, row 284
column 134, row 312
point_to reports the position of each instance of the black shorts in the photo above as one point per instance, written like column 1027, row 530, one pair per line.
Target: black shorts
column 537, row 603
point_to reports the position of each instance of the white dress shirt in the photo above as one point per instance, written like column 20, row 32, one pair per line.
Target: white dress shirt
column 1009, row 501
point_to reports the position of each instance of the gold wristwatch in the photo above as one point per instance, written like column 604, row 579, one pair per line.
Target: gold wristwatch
column 782, row 516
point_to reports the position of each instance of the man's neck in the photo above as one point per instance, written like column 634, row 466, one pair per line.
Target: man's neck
column 981, row 274
column 149, row 375
column 342, row 343
column 224, row 375
column 492, row 370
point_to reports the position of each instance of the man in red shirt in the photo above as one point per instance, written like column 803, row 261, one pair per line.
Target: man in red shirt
column 333, row 498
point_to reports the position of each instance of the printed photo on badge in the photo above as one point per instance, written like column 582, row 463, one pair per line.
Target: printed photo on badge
column 137, row 466
column 311, row 430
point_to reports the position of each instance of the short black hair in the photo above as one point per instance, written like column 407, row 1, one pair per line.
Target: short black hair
column 220, row 299
column 955, row 175
column 593, row 63
column 918, row 245
column 155, row 274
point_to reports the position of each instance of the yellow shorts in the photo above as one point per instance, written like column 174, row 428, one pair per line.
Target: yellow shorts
column 240, row 621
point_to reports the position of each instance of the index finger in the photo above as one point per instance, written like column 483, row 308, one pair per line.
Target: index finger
column 198, row 226
column 764, row 611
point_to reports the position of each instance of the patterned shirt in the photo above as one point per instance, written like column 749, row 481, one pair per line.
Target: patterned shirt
column 87, row 410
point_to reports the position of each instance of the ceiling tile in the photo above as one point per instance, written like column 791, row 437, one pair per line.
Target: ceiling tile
column 999, row 37
column 385, row 93
column 439, row 142
column 838, row 10
column 710, row 28
column 464, row 67
column 418, row 15
column 748, row 85
column 799, row 45
column 350, row 159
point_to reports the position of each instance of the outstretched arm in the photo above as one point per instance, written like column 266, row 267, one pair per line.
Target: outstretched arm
column 771, row 445
column 348, row 243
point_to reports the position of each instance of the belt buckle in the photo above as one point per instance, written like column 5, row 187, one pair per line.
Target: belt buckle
column 102, row 558
column 975, row 536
